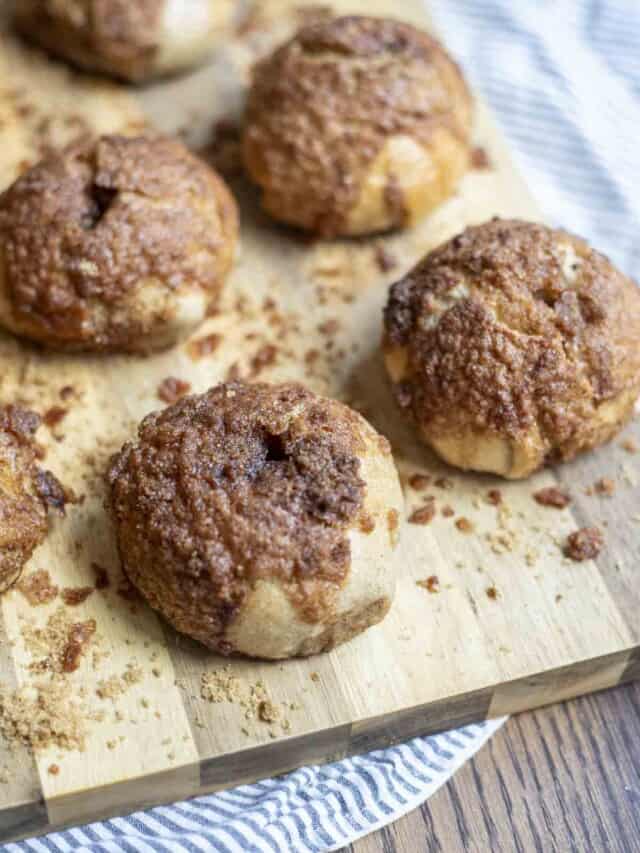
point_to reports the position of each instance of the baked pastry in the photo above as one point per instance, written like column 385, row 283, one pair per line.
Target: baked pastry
column 23, row 511
column 259, row 519
column 131, row 39
column 357, row 125
column 119, row 244
column 514, row 345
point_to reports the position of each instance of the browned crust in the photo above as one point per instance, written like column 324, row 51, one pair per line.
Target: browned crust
column 525, row 347
column 83, row 227
column 23, row 516
column 118, row 37
column 243, row 483
column 322, row 107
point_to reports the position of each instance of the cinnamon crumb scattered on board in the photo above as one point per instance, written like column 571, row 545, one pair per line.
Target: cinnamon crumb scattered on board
column 480, row 158
column 584, row 544
column 385, row 259
column 54, row 415
column 423, row 514
column 37, row 587
column 552, row 496
column 444, row 483
column 419, row 482
column 605, row 487
column 171, row 389
column 201, row 347
column 494, row 497
column 73, row 596
column 431, row 584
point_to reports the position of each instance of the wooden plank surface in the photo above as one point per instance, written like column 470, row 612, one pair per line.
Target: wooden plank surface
column 554, row 629
column 561, row 779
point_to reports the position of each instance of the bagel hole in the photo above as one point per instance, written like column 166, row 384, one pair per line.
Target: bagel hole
column 275, row 448
column 100, row 200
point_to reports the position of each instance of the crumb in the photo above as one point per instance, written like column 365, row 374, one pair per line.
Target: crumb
column 629, row 445
column 385, row 260
column 605, row 486
column 552, row 496
column 480, row 158
column 42, row 715
column 584, row 544
column 464, row 525
column 78, row 637
column 531, row 556
column 109, row 688
column 494, row 497
column 76, row 595
column 559, row 598
column 53, row 416
column 502, row 541
column 492, row 593
column 448, row 511
column 431, row 584
column 170, row 390
column 264, row 357
column 393, row 522
column 133, row 674
column 424, row 514
column 314, row 676
column 53, row 770
column 419, row 482
column 201, row 347
column 267, row 711
column 444, row 483
column 221, row 685
column 59, row 645
column 329, row 327
column 37, row 587
column 67, row 392
column 52, row 492
column 366, row 523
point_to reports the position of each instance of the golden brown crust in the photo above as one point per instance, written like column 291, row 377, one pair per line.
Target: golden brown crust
column 325, row 107
column 23, row 515
column 245, row 483
column 519, row 332
column 114, row 36
column 89, row 232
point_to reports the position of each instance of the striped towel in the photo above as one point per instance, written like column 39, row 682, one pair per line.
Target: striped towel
column 563, row 79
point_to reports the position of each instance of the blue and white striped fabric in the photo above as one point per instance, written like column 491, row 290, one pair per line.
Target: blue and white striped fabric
column 313, row 809
column 563, row 78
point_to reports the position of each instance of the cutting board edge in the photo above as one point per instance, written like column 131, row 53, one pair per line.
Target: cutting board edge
column 324, row 746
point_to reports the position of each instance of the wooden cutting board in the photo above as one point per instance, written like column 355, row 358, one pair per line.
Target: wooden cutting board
column 513, row 624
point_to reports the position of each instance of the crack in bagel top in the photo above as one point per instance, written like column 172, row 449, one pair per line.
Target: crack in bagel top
column 243, row 483
column 83, row 227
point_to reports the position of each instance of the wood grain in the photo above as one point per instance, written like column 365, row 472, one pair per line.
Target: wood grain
column 561, row 779
column 554, row 628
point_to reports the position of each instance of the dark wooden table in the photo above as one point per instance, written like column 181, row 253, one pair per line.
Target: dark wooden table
column 562, row 778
